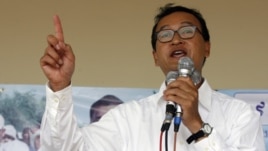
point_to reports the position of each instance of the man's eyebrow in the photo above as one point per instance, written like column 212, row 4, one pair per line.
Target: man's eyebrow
column 182, row 23
column 187, row 22
column 163, row 27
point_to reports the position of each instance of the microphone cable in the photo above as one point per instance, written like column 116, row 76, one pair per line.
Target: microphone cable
column 160, row 143
column 170, row 112
column 177, row 123
column 175, row 140
column 166, row 140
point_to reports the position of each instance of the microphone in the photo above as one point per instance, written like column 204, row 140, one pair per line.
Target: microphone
column 185, row 69
column 170, row 107
column 196, row 77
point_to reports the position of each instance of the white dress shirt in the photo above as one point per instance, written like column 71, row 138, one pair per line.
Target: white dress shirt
column 135, row 125
column 14, row 145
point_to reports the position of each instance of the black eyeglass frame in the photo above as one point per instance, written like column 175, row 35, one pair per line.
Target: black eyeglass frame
column 195, row 28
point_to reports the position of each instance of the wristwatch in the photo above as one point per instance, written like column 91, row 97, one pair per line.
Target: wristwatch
column 205, row 130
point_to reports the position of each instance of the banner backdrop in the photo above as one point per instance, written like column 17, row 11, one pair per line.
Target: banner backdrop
column 22, row 106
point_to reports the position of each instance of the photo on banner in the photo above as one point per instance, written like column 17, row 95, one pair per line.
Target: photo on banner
column 22, row 108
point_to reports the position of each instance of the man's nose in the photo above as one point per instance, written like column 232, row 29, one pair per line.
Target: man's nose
column 177, row 39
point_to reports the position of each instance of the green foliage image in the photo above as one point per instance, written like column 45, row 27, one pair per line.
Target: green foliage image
column 22, row 109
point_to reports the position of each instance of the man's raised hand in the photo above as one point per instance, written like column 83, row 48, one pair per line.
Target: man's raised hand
column 58, row 61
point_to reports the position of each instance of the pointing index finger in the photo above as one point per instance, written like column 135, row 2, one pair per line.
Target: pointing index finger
column 58, row 28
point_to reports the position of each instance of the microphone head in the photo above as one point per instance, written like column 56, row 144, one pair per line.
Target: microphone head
column 196, row 77
column 171, row 76
column 185, row 66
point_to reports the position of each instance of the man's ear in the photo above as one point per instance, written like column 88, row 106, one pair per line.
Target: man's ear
column 207, row 49
column 155, row 57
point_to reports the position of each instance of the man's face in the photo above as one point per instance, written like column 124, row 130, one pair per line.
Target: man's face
column 26, row 135
column 100, row 111
column 167, row 54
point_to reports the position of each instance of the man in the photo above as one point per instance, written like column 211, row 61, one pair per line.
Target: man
column 210, row 120
column 36, row 141
column 27, row 136
column 11, row 143
column 102, row 106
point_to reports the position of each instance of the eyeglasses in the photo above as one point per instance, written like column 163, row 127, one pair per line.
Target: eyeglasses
column 185, row 32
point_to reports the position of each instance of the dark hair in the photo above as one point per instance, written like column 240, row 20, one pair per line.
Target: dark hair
column 26, row 130
column 104, row 101
column 169, row 9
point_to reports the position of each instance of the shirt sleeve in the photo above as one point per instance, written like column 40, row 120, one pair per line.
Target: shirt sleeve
column 59, row 129
column 246, row 135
